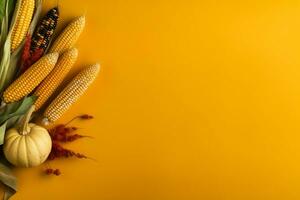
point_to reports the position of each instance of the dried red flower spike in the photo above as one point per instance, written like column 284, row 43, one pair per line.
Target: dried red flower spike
column 79, row 155
column 72, row 138
column 58, row 151
column 60, row 133
column 59, row 127
column 74, row 128
column 56, row 172
column 49, row 171
column 51, row 156
column 86, row 116
column 70, row 129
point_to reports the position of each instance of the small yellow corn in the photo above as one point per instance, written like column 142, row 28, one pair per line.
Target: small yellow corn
column 22, row 23
column 71, row 93
column 69, row 36
column 30, row 79
column 56, row 77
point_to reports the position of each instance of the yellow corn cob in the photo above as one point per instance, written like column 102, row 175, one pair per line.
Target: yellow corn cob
column 69, row 36
column 22, row 22
column 71, row 93
column 30, row 79
column 55, row 78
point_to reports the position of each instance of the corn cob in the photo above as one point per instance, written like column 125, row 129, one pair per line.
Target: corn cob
column 30, row 79
column 71, row 93
column 22, row 22
column 69, row 36
column 55, row 78
column 44, row 31
column 35, row 46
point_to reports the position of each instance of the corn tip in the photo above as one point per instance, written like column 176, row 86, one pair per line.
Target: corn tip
column 97, row 67
column 73, row 52
column 93, row 69
column 53, row 57
column 81, row 19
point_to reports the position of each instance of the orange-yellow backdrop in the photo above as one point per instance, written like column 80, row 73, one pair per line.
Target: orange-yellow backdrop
column 196, row 100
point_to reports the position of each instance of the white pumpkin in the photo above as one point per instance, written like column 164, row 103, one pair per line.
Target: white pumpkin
column 27, row 146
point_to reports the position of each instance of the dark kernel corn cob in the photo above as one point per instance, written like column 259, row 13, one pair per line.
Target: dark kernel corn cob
column 44, row 31
column 36, row 45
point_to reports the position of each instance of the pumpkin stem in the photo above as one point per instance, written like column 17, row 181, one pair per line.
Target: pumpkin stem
column 24, row 128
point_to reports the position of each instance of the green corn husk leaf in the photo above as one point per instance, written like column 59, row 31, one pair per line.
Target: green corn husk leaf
column 2, row 132
column 36, row 16
column 2, row 9
column 6, row 9
column 10, row 114
column 16, row 109
column 6, row 43
column 6, row 125
column 10, row 7
column 9, row 62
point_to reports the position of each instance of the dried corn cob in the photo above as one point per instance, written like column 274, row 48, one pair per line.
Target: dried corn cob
column 71, row 93
column 28, row 81
column 55, row 78
column 22, row 22
column 69, row 36
column 36, row 45
column 44, row 31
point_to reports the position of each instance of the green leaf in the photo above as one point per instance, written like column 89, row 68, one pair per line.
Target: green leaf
column 10, row 6
column 6, row 10
column 2, row 9
column 11, row 113
column 16, row 108
column 5, row 42
column 2, row 132
column 12, row 121
column 6, row 125
column 4, row 48
column 6, row 6
column 8, row 179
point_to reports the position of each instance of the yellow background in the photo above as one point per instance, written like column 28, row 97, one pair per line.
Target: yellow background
column 197, row 100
